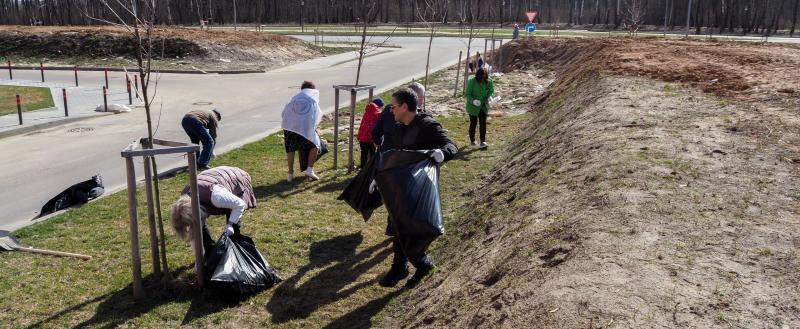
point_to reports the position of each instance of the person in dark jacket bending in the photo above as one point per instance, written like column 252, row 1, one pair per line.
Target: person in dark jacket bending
column 201, row 126
column 414, row 131
column 222, row 191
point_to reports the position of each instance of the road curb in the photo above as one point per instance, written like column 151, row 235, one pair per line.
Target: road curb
column 51, row 124
column 114, row 69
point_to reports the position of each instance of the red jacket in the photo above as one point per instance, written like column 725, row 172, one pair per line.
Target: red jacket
column 371, row 116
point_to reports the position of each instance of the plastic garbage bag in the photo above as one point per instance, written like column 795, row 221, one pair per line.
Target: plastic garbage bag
column 409, row 185
column 79, row 193
column 114, row 108
column 235, row 265
column 357, row 195
column 323, row 149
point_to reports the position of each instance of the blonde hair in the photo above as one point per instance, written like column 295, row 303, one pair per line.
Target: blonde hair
column 181, row 217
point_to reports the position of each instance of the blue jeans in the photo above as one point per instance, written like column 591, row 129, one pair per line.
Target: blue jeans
column 199, row 134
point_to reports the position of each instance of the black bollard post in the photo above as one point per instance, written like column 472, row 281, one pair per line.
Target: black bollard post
column 136, row 84
column 76, row 75
column 105, row 99
column 41, row 68
column 19, row 110
column 130, row 97
column 10, row 75
column 106, row 72
column 66, row 109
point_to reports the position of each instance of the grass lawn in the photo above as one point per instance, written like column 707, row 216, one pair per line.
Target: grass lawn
column 33, row 98
column 329, row 257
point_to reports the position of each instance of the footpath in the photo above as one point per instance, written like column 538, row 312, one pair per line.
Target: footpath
column 81, row 104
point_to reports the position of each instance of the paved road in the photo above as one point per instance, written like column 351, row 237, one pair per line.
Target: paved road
column 38, row 165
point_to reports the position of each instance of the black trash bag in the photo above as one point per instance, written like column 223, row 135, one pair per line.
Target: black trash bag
column 357, row 195
column 409, row 185
column 323, row 149
column 235, row 266
column 74, row 195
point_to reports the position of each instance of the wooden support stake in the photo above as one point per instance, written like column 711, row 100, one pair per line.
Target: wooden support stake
column 350, row 161
column 336, row 131
column 136, row 261
column 458, row 73
column 198, row 226
column 151, row 215
column 466, row 72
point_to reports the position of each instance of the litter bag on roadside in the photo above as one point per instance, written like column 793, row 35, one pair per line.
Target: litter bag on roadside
column 323, row 149
column 357, row 195
column 409, row 185
column 235, row 265
column 74, row 195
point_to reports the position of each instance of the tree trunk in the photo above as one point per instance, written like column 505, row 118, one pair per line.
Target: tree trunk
column 794, row 17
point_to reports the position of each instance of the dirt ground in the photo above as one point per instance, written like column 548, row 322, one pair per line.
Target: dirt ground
column 177, row 48
column 631, row 202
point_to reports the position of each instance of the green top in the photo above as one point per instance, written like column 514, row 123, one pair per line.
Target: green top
column 481, row 92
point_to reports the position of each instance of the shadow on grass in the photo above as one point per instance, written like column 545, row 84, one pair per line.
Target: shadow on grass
column 362, row 316
column 293, row 300
column 117, row 307
column 463, row 155
column 283, row 189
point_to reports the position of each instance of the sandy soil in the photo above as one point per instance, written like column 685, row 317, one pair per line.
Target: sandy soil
column 629, row 202
column 182, row 48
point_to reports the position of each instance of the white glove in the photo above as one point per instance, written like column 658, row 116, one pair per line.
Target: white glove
column 476, row 102
column 229, row 230
column 372, row 187
column 438, row 156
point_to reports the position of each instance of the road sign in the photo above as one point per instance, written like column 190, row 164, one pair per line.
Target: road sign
column 530, row 27
column 531, row 15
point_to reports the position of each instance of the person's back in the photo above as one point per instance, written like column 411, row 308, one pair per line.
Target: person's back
column 207, row 118
column 383, row 130
column 369, row 120
column 424, row 133
column 234, row 179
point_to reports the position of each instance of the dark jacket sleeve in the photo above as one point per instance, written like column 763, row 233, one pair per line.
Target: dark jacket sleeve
column 377, row 131
column 212, row 128
column 441, row 140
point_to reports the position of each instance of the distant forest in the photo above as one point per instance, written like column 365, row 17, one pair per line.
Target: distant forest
column 721, row 16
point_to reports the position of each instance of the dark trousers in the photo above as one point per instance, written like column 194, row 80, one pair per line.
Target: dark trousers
column 367, row 152
column 400, row 257
column 199, row 134
column 473, row 121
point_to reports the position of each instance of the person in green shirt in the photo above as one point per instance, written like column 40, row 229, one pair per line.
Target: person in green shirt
column 479, row 90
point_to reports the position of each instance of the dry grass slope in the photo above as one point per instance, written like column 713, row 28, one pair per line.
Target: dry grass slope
column 629, row 202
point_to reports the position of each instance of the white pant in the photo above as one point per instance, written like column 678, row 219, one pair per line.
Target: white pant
column 224, row 199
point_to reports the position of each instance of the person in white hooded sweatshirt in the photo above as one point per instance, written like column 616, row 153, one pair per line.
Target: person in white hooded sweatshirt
column 301, row 116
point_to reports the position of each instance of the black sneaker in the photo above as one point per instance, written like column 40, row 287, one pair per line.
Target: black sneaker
column 203, row 168
column 395, row 274
column 420, row 274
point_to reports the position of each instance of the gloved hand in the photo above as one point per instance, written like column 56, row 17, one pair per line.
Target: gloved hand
column 372, row 187
column 476, row 102
column 229, row 230
column 438, row 156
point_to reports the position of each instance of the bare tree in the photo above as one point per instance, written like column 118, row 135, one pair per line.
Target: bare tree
column 468, row 15
column 428, row 17
column 138, row 18
column 634, row 16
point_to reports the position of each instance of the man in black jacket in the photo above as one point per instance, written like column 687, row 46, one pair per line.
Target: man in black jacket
column 414, row 131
